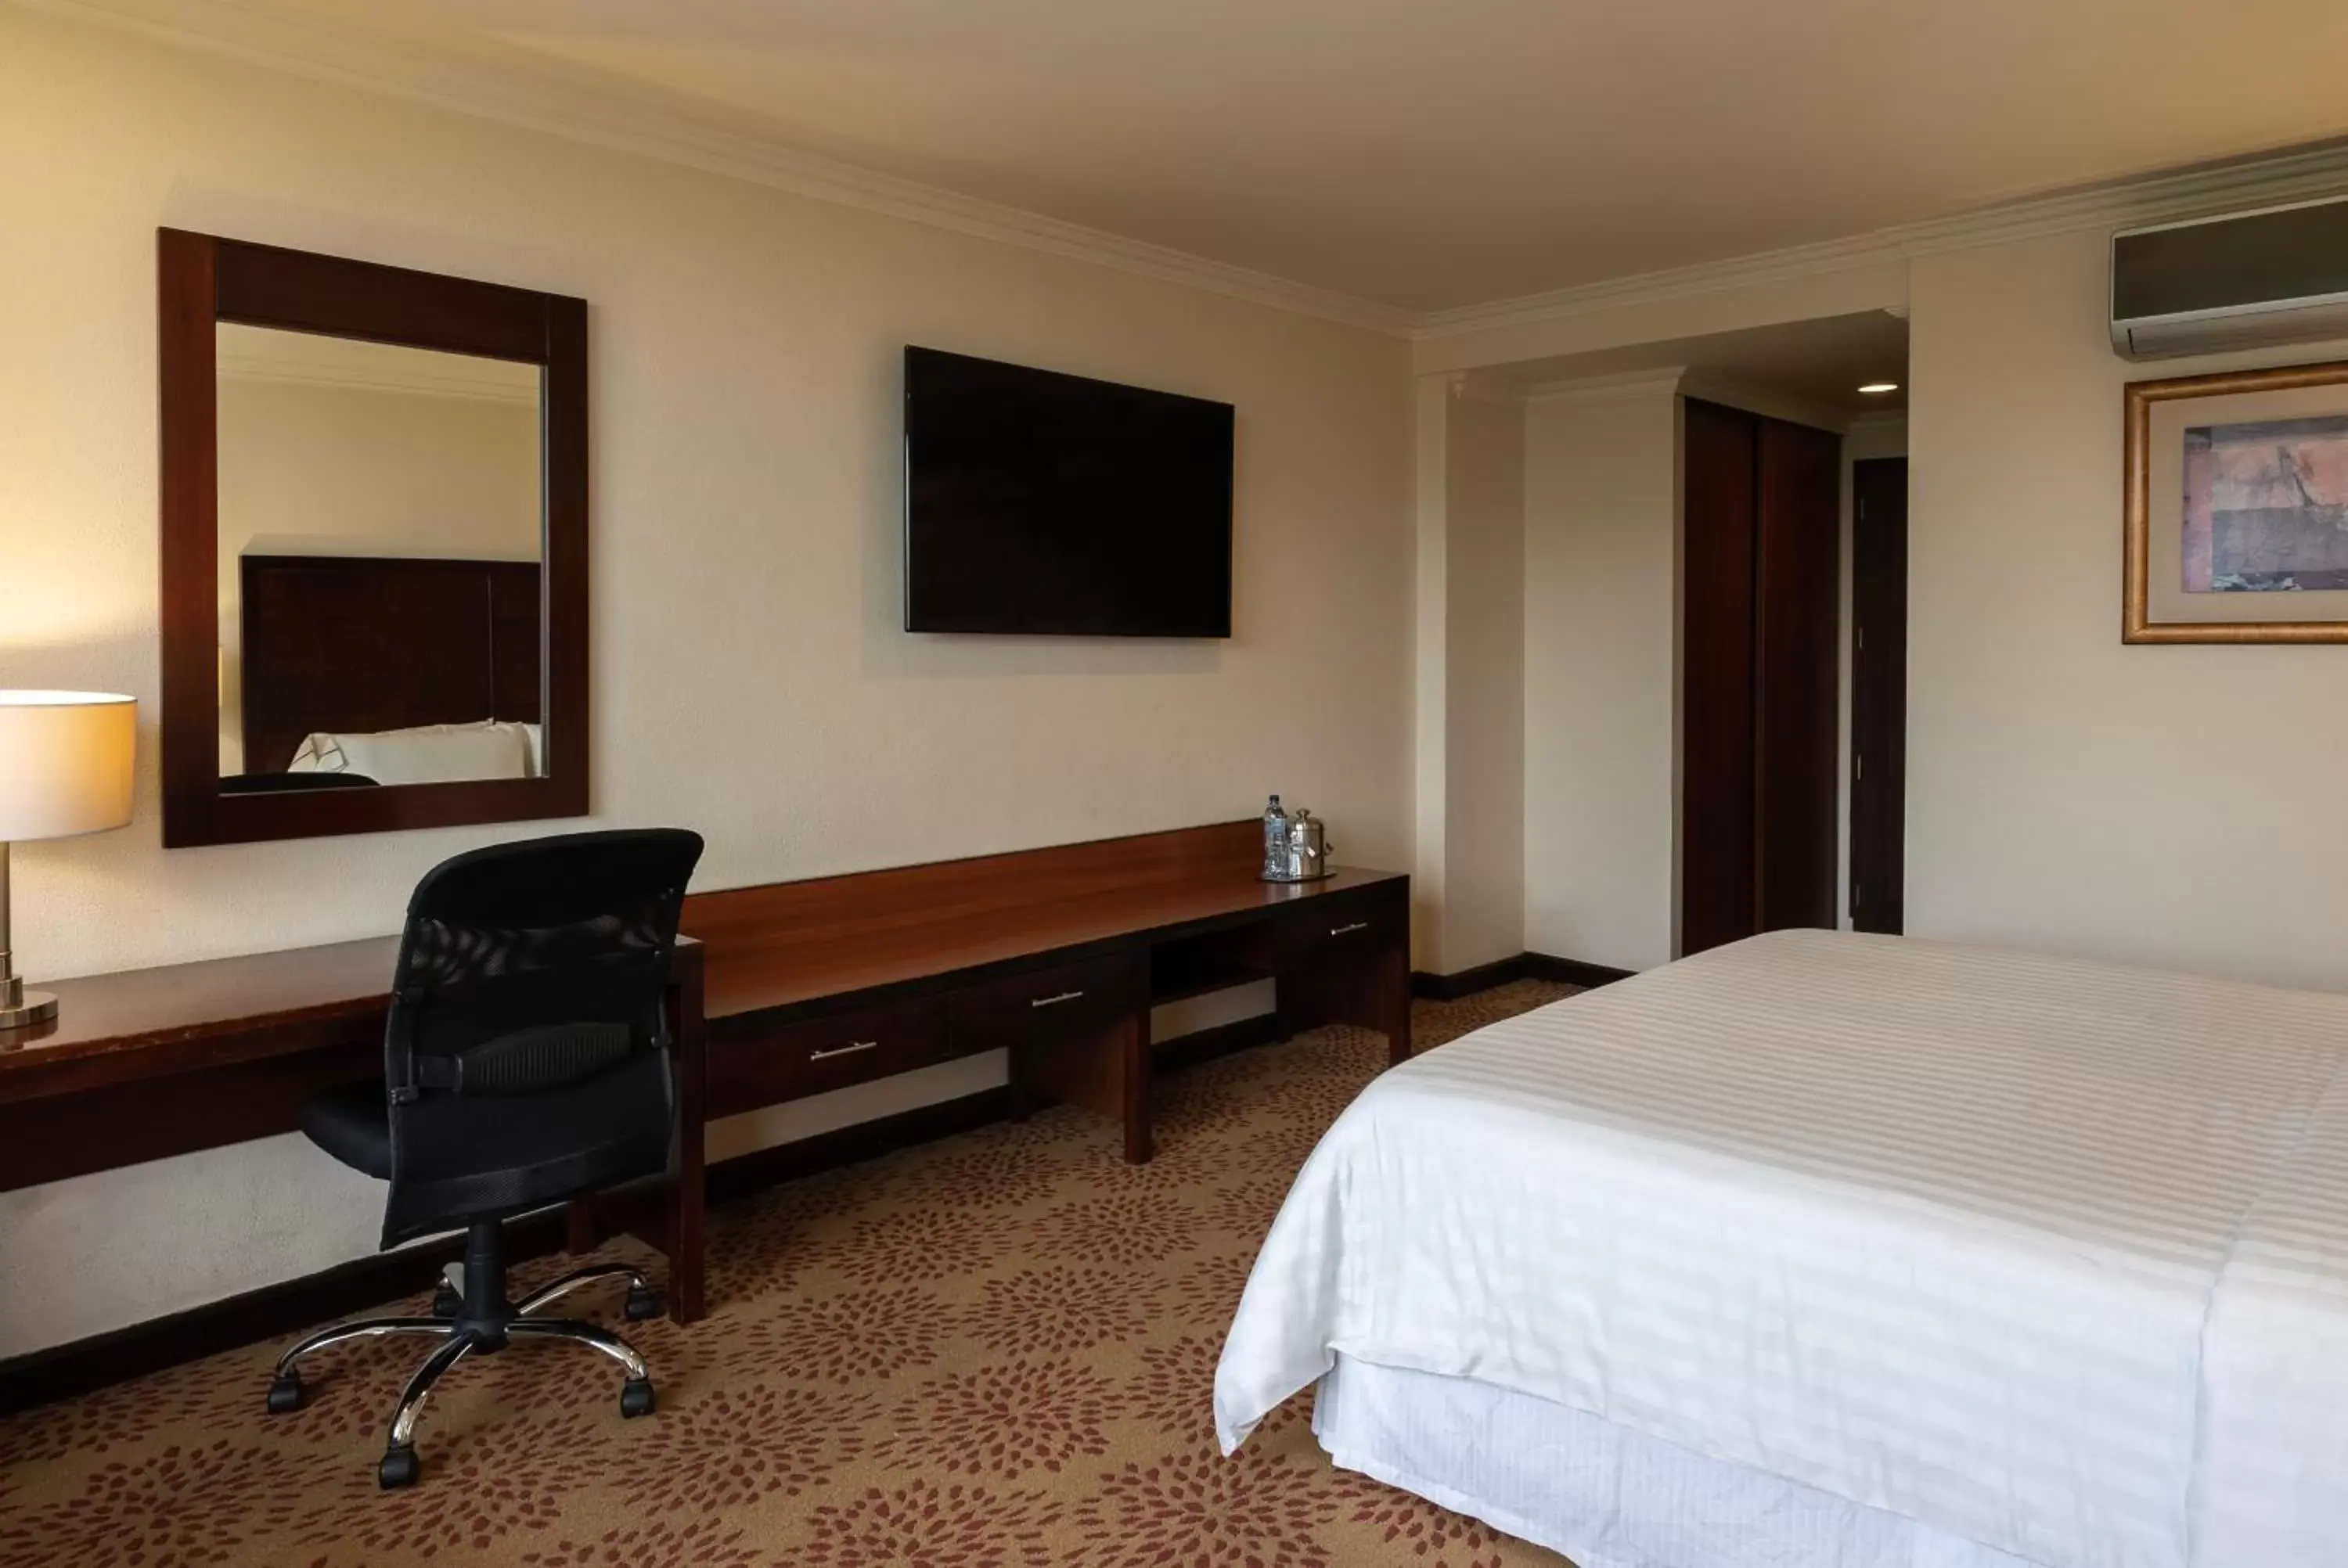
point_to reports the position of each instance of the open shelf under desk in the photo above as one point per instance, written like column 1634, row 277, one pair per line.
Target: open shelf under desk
column 1211, row 961
column 1183, row 982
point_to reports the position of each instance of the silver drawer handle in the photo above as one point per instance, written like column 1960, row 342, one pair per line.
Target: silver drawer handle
column 1349, row 930
column 842, row 1050
column 1048, row 1001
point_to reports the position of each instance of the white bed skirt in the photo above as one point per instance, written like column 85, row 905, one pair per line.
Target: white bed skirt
column 1604, row 1495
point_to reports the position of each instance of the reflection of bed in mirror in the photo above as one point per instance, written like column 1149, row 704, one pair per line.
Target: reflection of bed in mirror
column 391, row 670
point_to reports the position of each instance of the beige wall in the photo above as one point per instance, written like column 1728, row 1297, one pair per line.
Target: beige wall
column 2174, row 806
column 1602, row 468
column 1468, row 874
column 316, row 469
column 1431, row 647
column 749, row 678
column 1484, row 804
column 2163, row 805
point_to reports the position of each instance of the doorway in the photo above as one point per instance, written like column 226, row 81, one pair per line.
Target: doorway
column 1757, row 676
column 1879, row 694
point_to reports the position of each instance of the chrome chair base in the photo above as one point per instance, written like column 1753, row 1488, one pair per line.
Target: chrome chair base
column 462, row 1332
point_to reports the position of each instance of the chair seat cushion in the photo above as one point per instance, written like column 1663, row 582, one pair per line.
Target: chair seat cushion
column 468, row 1155
column 352, row 1122
column 610, row 1127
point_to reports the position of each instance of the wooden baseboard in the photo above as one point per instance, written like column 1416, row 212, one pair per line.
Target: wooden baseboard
column 270, row 1312
column 1573, row 971
column 1467, row 982
column 1522, row 966
column 277, row 1311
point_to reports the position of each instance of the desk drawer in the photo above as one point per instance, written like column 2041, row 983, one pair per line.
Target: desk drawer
column 1341, row 924
column 759, row 1066
column 1063, row 1000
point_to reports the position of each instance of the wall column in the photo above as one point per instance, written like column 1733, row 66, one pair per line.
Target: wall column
column 1469, row 743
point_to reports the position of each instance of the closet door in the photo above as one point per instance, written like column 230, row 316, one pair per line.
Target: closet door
column 1879, row 693
column 1796, row 601
column 1760, row 601
column 1719, row 448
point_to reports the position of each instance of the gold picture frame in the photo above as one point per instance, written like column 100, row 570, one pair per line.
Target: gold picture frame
column 2155, row 438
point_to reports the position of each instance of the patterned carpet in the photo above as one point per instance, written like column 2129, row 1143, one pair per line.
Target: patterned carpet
column 987, row 1352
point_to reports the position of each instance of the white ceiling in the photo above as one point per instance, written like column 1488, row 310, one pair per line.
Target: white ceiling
column 1430, row 155
column 1819, row 364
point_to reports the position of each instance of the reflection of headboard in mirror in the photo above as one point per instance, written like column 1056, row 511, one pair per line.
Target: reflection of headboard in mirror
column 355, row 644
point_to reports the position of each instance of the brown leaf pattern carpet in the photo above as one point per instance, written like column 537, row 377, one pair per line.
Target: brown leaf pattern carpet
column 987, row 1352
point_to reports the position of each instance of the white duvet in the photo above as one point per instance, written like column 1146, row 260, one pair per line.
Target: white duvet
column 2050, row 1253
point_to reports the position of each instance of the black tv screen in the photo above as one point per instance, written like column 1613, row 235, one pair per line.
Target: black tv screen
column 1038, row 502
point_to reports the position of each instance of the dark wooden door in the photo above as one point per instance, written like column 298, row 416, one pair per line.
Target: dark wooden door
column 1797, row 594
column 1758, row 616
column 1879, row 693
column 1719, row 450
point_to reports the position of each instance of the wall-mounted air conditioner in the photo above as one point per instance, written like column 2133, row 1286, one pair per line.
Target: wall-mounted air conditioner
column 2246, row 280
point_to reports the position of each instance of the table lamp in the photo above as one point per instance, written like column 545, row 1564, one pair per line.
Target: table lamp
column 65, row 769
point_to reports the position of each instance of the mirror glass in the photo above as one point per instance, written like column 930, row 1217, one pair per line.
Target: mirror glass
column 382, row 537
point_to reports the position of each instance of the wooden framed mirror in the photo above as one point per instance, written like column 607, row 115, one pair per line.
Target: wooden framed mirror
column 374, row 547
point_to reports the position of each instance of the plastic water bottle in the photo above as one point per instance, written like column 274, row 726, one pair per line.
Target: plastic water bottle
column 1275, row 840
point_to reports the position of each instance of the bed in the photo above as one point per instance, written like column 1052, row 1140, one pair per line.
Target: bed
column 1834, row 1249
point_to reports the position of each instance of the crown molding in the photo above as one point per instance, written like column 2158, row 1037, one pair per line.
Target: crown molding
column 541, row 103
column 2201, row 191
column 1610, row 388
column 352, row 378
column 1671, row 283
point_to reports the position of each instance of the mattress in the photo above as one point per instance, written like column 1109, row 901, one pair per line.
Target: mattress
column 2273, row 1485
column 1930, row 1229
column 1605, row 1496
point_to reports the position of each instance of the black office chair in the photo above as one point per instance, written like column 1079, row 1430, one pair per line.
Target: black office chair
column 526, row 1062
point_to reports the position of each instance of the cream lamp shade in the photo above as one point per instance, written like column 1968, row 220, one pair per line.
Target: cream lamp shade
column 65, row 768
column 64, row 762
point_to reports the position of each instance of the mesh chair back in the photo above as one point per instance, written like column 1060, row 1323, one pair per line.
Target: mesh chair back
column 526, row 1057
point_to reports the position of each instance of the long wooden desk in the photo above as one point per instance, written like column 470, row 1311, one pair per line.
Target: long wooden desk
column 153, row 1063
column 1055, row 955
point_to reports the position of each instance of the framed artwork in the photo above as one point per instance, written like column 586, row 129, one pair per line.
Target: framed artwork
column 2238, row 507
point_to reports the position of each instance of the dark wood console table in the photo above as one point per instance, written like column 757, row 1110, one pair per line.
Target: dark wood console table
column 1054, row 954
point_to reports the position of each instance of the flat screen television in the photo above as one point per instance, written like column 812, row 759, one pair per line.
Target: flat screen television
column 1043, row 503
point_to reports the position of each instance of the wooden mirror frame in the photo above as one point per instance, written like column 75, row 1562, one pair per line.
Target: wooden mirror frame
column 204, row 281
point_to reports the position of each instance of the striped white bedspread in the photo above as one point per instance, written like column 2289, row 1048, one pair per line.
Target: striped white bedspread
column 2050, row 1253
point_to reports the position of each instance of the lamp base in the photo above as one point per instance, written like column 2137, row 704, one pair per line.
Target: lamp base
column 19, row 1006
column 34, row 1007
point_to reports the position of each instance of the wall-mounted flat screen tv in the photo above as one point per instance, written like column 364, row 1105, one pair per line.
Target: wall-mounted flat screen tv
column 1043, row 503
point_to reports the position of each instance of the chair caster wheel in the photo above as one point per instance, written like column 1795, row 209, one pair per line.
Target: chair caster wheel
column 636, row 1398
column 285, row 1394
column 642, row 1304
column 445, row 1302
column 399, row 1468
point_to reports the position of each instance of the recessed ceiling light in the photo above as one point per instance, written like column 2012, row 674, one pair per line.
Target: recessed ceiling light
column 1877, row 388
